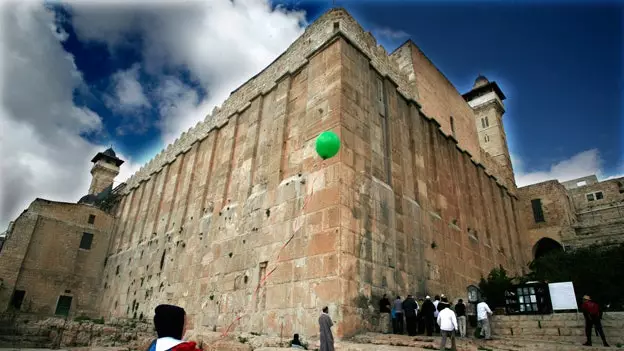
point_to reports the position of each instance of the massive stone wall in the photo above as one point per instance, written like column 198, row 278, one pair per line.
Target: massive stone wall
column 438, row 97
column 204, row 221
column 418, row 215
column 42, row 257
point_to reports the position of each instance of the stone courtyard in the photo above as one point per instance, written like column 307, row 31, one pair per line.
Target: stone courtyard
column 511, row 333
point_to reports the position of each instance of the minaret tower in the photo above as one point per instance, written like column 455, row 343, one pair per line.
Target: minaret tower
column 105, row 169
column 486, row 100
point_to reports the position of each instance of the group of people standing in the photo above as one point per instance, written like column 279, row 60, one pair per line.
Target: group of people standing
column 428, row 317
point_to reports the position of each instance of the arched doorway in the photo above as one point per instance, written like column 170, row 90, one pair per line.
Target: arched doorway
column 544, row 246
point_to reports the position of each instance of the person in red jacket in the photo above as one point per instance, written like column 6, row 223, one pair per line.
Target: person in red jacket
column 170, row 325
column 591, row 312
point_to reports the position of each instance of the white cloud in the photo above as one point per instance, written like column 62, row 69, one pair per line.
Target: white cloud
column 128, row 93
column 42, row 150
column 389, row 33
column 222, row 43
column 582, row 164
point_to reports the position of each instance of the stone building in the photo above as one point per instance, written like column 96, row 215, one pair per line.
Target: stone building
column 54, row 253
column 572, row 214
column 421, row 199
column 411, row 204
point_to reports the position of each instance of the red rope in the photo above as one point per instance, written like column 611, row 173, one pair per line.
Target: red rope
column 262, row 282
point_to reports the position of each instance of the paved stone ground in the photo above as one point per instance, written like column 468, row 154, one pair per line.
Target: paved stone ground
column 372, row 342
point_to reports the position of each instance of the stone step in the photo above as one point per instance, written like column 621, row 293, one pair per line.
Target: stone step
column 24, row 341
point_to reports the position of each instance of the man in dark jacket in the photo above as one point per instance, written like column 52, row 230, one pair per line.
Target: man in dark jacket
column 460, row 311
column 410, row 308
column 428, row 310
column 384, row 314
column 592, row 314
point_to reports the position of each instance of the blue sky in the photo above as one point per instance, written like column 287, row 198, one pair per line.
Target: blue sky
column 559, row 64
column 136, row 76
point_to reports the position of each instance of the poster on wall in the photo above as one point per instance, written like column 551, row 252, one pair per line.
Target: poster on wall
column 562, row 296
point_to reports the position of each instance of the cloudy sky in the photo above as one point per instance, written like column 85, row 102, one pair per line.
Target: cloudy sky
column 80, row 76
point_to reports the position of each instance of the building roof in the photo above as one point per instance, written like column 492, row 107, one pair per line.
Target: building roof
column 481, row 86
column 108, row 155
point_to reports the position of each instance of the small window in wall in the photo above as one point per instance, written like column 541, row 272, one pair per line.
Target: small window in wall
column 621, row 186
column 485, row 122
column 86, row 241
column 91, row 219
column 538, row 213
column 486, row 138
column 594, row 196
column 63, row 305
column 18, row 299
column 452, row 126
column 262, row 272
column 380, row 90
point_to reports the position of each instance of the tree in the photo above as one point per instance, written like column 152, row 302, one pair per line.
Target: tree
column 597, row 271
column 493, row 289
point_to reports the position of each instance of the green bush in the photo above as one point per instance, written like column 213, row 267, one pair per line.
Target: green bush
column 596, row 270
column 493, row 288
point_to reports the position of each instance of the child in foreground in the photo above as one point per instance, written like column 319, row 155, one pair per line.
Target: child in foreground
column 170, row 324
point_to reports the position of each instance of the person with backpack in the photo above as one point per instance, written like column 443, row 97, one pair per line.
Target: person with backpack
column 592, row 314
column 170, row 325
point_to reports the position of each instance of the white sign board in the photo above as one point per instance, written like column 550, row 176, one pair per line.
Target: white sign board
column 562, row 296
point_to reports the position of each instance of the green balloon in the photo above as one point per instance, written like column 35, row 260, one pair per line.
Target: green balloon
column 327, row 145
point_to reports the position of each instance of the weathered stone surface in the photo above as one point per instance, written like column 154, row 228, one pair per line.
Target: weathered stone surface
column 403, row 208
column 569, row 217
column 564, row 327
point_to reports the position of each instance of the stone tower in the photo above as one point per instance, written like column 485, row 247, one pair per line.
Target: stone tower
column 105, row 169
column 486, row 100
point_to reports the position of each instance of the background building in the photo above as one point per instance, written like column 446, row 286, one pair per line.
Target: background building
column 579, row 212
column 54, row 253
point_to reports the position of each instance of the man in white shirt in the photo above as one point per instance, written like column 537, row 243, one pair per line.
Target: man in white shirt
column 483, row 310
column 436, row 302
column 448, row 324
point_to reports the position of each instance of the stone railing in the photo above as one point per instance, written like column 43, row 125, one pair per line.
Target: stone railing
column 562, row 327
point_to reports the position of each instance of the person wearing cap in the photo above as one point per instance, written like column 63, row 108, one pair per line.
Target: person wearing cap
column 591, row 312
column 170, row 325
column 428, row 312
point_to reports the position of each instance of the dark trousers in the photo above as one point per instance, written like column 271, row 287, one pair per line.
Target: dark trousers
column 421, row 324
column 397, row 323
column 588, row 330
column 411, row 324
column 429, row 325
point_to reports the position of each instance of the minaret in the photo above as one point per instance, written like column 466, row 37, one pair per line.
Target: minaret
column 486, row 100
column 105, row 169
